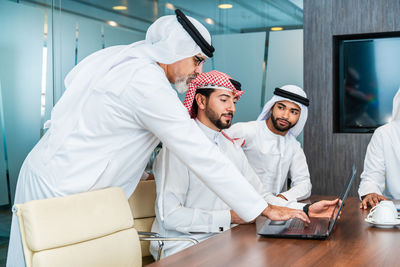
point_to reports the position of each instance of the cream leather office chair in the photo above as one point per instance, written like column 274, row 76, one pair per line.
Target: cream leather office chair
column 142, row 203
column 88, row 229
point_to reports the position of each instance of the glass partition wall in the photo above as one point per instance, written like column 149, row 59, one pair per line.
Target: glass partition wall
column 42, row 40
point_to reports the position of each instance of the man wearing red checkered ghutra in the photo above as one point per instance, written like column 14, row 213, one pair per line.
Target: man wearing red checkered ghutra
column 185, row 207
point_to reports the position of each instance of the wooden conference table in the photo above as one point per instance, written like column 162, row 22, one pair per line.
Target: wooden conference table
column 352, row 243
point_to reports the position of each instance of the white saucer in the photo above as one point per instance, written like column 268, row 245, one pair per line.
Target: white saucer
column 383, row 225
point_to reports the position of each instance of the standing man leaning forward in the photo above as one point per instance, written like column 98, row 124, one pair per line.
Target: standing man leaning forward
column 185, row 207
column 117, row 106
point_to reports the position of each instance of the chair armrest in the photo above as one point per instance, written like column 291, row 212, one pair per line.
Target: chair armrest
column 187, row 239
column 151, row 236
column 148, row 234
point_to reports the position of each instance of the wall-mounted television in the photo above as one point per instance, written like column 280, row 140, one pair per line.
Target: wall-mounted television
column 367, row 78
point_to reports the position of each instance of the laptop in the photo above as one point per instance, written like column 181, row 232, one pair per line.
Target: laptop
column 319, row 228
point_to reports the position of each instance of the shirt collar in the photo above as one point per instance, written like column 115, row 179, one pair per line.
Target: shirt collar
column 210, row 133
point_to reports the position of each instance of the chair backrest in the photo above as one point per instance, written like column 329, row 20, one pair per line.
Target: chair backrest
column 142, row 203
column 87, row 229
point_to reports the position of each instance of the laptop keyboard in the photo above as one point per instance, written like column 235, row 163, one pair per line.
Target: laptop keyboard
column 297, row 227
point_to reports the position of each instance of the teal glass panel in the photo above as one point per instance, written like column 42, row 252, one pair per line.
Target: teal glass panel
column 20, row 73
column 64, row 50
column 242, row 57
column 118, row 36
column 3, row 165
column 49, row 71
column 74, row 39
column 89, row 38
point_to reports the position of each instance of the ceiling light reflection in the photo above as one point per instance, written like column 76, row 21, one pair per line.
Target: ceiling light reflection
column 170, row 6
column 112, row 23
column 209, row 21
column 120, row 7
column 225, row 6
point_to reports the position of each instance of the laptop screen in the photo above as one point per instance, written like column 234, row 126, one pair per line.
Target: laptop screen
column 343, row 198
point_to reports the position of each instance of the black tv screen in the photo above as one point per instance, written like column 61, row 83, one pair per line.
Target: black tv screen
column 369, row 77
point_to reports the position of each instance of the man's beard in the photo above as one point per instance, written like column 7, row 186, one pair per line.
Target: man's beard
column 217, row 120
column 278, row 127
column 182, row 85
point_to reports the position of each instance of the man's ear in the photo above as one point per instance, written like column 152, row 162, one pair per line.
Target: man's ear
column 201, row 101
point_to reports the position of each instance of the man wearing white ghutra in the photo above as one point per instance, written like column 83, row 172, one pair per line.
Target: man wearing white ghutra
column 271, row 146
column 118, row 105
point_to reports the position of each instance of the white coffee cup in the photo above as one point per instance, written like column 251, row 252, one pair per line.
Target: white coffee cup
column 384, row 212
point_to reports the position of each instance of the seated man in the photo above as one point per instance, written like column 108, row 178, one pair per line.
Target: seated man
column 381, row 176
column 271, row 146
column 185, row 206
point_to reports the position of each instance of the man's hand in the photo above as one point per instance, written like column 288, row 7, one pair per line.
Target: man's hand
column 323, row 208
column 276, row 213
column 237, row 220
column 371, row 199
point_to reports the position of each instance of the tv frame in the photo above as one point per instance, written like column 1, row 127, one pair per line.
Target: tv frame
column 337, row 40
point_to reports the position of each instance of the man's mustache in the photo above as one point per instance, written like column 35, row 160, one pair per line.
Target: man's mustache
column 283, row 120
column 192, row 77
column 226, row 114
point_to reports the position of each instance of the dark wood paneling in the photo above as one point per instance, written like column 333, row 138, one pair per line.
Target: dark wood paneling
column 330, row 155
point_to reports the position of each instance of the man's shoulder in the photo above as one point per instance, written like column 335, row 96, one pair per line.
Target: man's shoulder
column 150, row 73
column 389, row 131
column 149, row 82
column 243, row 129
column 292, row 139
column 387, row 128
column 236, row 142
column 294, row 144
column 232, row 148
column 246, row 125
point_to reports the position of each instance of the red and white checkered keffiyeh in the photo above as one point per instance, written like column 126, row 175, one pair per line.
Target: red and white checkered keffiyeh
column 212, row 79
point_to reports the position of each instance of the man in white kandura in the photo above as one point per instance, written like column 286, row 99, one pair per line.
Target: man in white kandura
column 271, row 147
column 381, row 176
column 117, row 106
column 185, row 207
